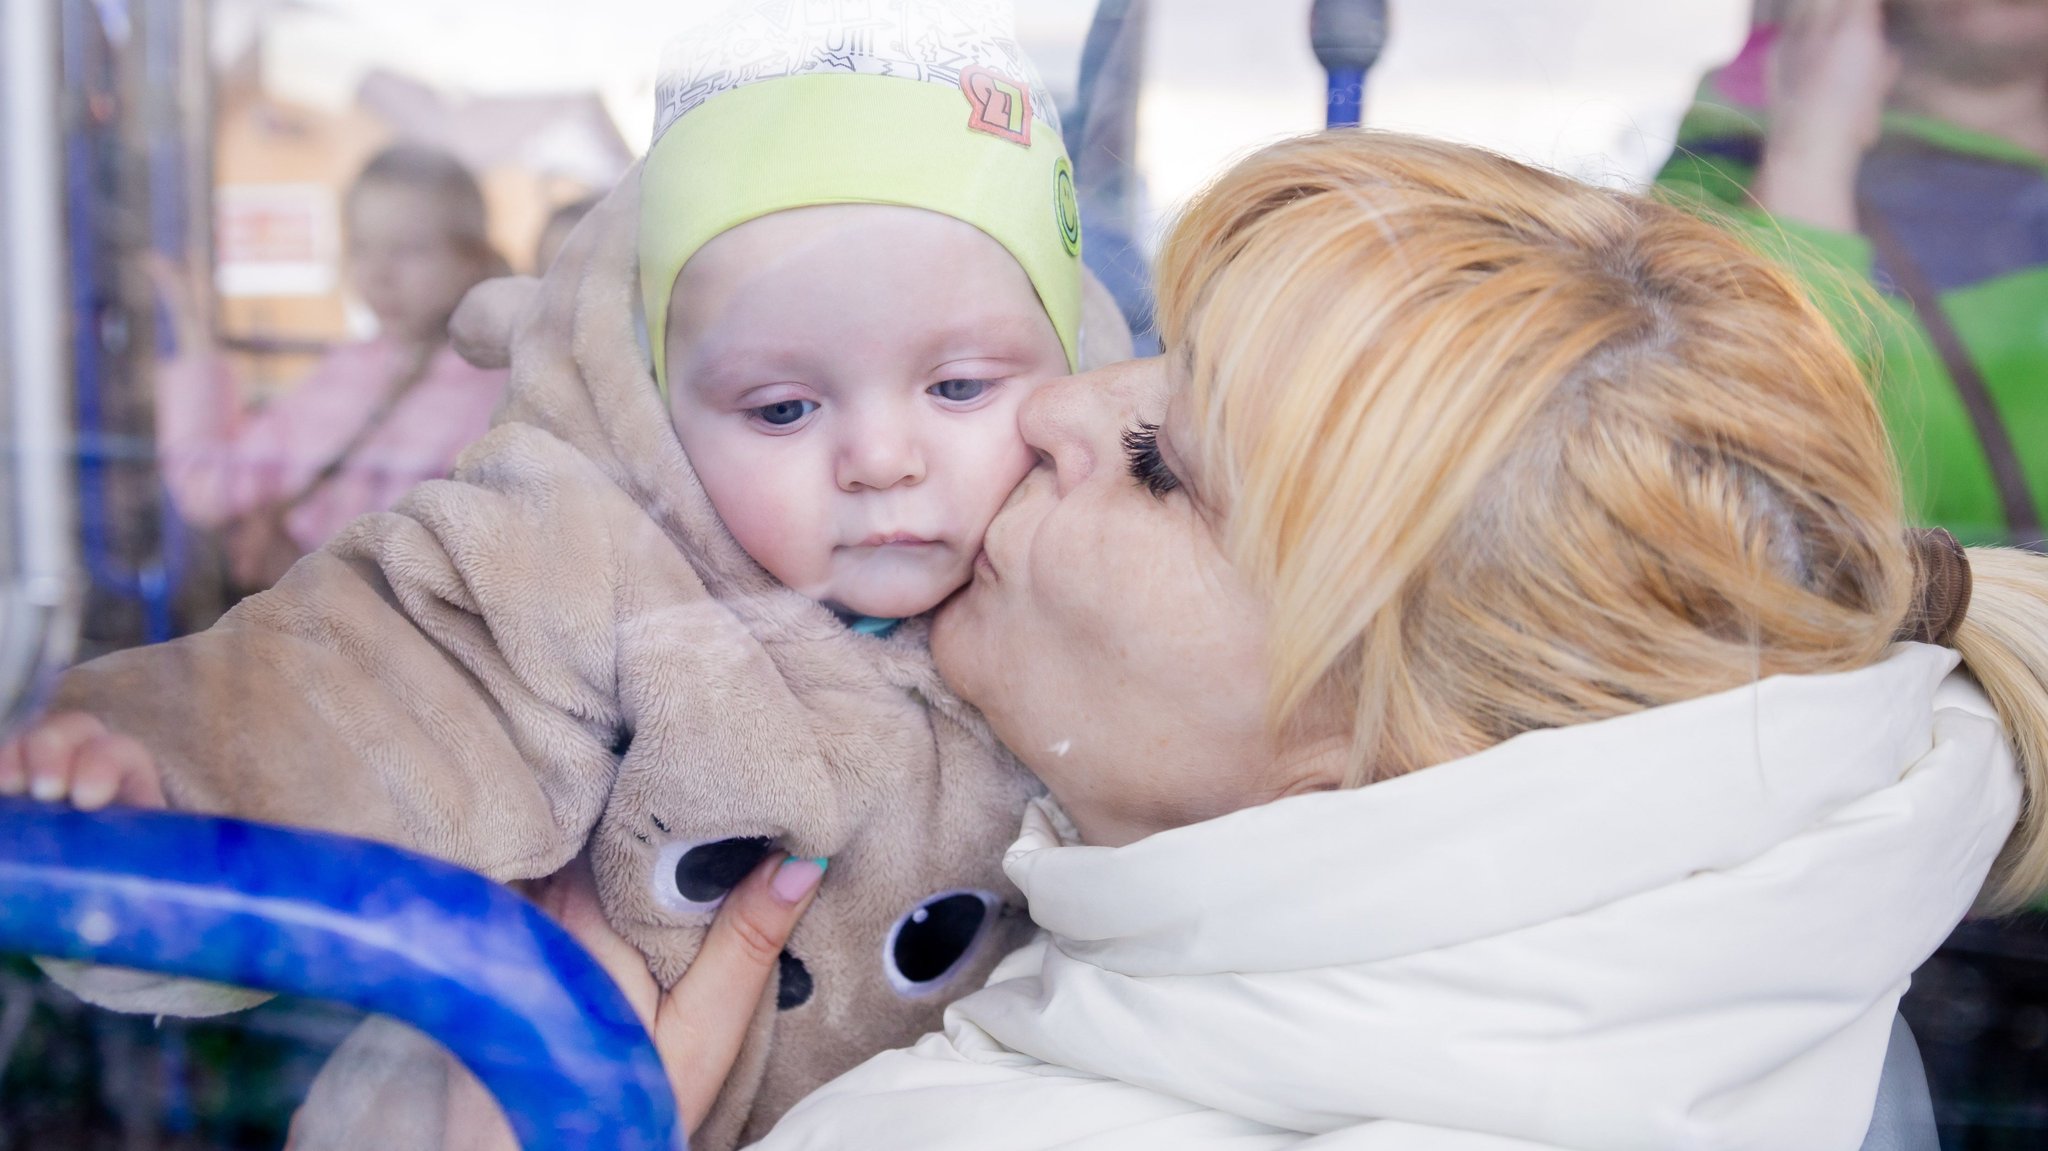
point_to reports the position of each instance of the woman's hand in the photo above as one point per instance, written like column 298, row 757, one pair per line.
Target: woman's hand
column 1831, row 73
column 71, row 757
column 697, row 1025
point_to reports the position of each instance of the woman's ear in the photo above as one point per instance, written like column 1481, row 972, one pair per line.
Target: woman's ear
column 1316, row 745
column 1318, row 765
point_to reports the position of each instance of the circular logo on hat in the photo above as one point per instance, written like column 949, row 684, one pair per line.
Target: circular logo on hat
column 1066, row 207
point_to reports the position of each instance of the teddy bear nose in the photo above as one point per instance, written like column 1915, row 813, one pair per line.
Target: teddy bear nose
column 708, row 871
column 794, row 988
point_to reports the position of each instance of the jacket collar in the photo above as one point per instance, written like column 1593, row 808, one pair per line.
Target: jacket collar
column 1550, row 824
column 1685, row 927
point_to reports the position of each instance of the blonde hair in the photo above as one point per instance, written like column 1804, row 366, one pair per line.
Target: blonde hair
column 1507, row 452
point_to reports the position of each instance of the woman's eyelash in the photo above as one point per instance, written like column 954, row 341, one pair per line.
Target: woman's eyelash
column 1141, row 448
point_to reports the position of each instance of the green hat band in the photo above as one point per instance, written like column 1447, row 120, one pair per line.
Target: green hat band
column 853, row 138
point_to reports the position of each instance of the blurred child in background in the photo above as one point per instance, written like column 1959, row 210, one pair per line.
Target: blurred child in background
column 375, row 417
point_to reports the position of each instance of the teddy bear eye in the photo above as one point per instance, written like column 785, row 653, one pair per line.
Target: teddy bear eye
column 697, row 876
column 932, row 941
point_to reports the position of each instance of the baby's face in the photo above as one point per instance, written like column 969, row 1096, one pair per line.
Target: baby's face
column 845, row 379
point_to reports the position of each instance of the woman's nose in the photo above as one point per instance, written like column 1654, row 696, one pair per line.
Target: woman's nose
column 1077, row 424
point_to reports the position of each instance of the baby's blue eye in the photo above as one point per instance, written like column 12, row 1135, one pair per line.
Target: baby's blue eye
column 785, row 413
column 960, row 391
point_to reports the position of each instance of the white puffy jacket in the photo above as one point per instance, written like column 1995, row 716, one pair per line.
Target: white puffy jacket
column 1685, row 928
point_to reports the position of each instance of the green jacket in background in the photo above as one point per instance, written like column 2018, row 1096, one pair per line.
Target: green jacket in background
column 1972, row 212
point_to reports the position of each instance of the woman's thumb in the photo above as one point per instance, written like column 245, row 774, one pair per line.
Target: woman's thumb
column 758, row 917
column 703, row 1019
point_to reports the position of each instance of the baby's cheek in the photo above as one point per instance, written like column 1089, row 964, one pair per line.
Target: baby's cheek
column 785, row 537
column 998, row 465
column 771, row 515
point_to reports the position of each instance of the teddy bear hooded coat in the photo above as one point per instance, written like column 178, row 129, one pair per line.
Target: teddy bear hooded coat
column 561, row 645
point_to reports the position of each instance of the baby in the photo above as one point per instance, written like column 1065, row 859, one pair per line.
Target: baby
column 666, row 613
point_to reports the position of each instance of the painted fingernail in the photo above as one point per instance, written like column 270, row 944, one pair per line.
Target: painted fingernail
column 796, row 877
column 93, row 794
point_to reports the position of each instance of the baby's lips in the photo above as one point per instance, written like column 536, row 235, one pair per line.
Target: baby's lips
column 898, row 538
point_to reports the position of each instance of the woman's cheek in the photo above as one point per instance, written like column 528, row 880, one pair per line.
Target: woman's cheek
column 1072, row 574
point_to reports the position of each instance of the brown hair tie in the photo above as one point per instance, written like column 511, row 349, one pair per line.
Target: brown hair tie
column 1941, row 587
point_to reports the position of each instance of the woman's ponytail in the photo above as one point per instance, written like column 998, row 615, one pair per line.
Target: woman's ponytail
column 2004, row 643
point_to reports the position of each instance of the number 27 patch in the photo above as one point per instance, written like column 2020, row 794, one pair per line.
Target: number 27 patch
column 997, row 105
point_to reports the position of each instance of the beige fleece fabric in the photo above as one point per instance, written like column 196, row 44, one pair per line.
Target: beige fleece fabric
column 562, row 645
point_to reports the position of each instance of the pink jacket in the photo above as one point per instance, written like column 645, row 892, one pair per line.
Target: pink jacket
column 220, row 461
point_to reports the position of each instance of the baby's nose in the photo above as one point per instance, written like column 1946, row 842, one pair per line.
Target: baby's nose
column 880, row 460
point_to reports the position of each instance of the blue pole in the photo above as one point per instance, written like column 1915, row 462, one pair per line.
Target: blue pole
column 1347, row 37
column 455, row 955
column 86, row 166
column 1347, row 97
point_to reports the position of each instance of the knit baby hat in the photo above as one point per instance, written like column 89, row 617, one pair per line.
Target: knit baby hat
column 930, row 104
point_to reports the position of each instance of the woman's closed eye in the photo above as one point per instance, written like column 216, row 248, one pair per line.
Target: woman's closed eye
column 1141, row 449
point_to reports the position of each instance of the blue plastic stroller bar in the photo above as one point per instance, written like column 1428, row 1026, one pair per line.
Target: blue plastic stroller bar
column 459, row 957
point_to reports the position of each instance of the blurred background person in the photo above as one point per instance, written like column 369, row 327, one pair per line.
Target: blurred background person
column 1906, row 142
column 555, row 232
column 375, row 416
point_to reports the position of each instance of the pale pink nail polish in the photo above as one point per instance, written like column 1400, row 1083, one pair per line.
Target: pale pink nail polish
column 795, row 878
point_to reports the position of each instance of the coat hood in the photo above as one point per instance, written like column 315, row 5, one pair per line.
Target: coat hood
column 580, row 372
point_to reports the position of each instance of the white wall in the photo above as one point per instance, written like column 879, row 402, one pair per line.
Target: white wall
column 1592, row 87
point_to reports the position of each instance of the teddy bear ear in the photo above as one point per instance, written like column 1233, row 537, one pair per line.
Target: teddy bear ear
column 481, row 328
